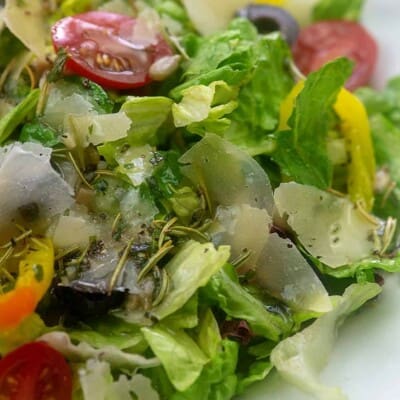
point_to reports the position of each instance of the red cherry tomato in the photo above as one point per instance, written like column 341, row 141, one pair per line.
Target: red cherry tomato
column 35, row 371
column 105, row 48
column 324, row 41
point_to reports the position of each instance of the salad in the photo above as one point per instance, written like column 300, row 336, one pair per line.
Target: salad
column 193, row 194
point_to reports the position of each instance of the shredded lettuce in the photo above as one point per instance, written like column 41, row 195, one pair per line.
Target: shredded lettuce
column 300, row 358
column 191, row 268
column 179, row 354
column 238, row 303
column 338, row 9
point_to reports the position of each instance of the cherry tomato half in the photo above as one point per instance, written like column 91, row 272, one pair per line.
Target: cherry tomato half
column 324, row 41
column 105, row 48
column 35, row 371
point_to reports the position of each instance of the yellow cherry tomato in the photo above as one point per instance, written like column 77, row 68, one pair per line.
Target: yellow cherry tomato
column 354, row 126
column 36, row 271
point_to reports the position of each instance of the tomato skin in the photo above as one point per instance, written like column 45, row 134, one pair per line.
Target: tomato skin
column 102, row 46
column 35, row 371
column 324, row 41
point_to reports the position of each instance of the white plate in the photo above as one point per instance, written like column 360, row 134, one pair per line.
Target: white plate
column 365, row 362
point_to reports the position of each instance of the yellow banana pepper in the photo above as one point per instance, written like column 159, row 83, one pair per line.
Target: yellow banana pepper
column 271, row 2
column 354, row 126
column 36, row 271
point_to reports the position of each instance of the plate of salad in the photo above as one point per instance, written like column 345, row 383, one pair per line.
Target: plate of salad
column 195, row 196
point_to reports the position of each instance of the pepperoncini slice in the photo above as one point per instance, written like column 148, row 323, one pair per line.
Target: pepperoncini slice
column 35, row 273
column 270, row 2
column 354, row 126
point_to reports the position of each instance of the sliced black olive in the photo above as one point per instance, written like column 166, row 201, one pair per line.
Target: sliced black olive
column 270, row 19
column 83, row 299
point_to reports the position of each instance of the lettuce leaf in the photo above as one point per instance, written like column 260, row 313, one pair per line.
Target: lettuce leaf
column 384, row 115
column 237, row 302
column 109, row 330
column 300, row 358
column 18, row 114
column 218, row 379
column 147, row 114
column 338, row 9
column 179, row 354
column 203, row 108
column 254, row 67
column 227, row 56
column 368, row 264
column 189, row 270
column 260, row 98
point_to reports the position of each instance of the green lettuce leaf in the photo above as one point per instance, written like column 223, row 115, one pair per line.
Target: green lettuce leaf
column 209, row 337
column 202, row 108
column 110, row 330
column 384, row 114
column 148, row 114
column 368, row 264
column 179, row 354
column 300, row 358
column 384, row 102
column 227, row 56
column 237, row 302
column 37, row 132
column 254, row 67
column 10, row 46
column 260, row 98
column 257, row 372
column 18, row 115
column 186, row 317
column 191, row 268
column 302, row 151
column 218, row 379
column 338, row 9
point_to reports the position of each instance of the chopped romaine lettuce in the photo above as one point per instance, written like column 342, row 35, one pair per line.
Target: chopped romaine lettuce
column 218, row 380
column 179, row 354
column 202, row 108
column 338, row 9
column 18, row 114
column 231, row 297
column 191, row 268
column 300, row 358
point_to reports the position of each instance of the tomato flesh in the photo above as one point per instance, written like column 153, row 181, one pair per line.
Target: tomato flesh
column 106, row 48
column 35, row 371
column 324, row 41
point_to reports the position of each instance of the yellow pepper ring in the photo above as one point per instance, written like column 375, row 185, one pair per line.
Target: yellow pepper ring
column 354, row 126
